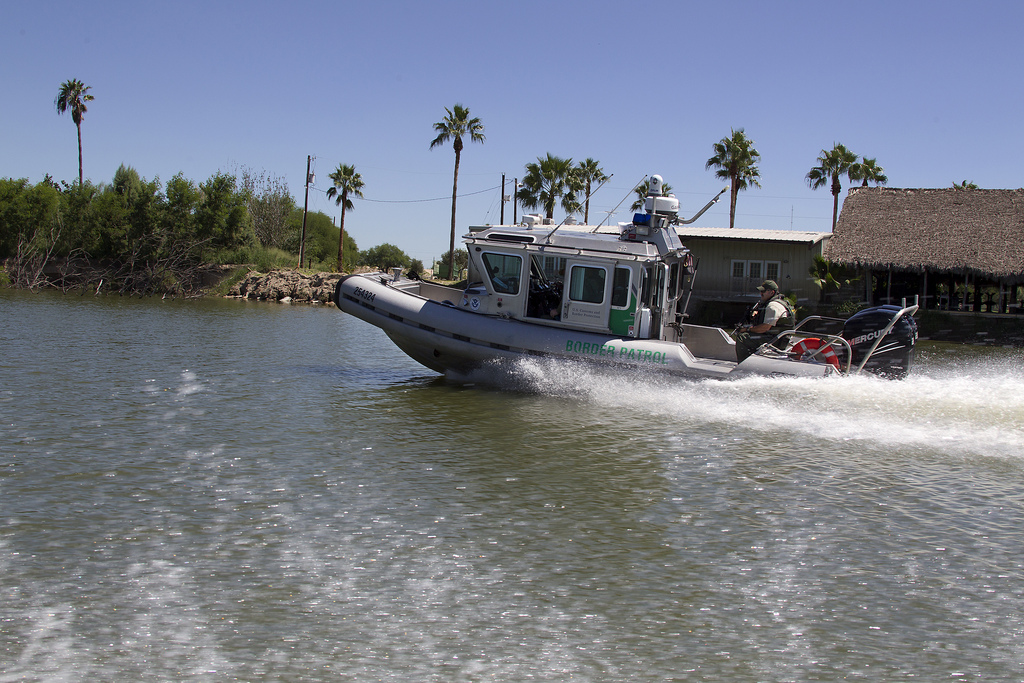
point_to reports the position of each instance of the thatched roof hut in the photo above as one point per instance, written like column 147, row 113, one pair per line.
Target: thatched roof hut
column 942, row 231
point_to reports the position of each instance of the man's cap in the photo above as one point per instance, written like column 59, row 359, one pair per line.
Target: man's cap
column 768, row 284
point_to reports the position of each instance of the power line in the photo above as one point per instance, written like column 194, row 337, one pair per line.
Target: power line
column 418, row 201
column 753, row 196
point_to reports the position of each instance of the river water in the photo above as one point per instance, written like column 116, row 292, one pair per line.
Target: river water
column 222, row 490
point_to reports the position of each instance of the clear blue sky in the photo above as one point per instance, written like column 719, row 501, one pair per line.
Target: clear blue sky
column 933, row 90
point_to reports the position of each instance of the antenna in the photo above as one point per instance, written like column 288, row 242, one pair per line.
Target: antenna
column 612, row 212
column 706, row 207
column 588, row 197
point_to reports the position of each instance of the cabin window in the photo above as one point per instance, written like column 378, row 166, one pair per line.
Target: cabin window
column 504, row 272
column 586, row 284
column 673, row 281
column 553, row 268
column 658, row 287
column 544, row 295
column 653, row 286
column 620, row 288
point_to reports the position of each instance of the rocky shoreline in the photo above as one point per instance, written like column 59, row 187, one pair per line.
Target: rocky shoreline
column 287, row 286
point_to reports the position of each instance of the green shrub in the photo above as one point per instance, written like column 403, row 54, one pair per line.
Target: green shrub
column 264, row 259
column 849, row 307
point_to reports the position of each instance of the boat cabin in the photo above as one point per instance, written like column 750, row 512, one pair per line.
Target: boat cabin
column 630, row 281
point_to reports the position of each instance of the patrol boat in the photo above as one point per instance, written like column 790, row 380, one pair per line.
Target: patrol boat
column 604, row 294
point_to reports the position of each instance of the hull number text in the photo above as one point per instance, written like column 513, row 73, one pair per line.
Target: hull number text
column 364, row 295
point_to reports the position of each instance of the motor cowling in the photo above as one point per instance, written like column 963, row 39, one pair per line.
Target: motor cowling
column 895, row 353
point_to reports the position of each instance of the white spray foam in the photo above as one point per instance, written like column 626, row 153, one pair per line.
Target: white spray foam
column 971, row 410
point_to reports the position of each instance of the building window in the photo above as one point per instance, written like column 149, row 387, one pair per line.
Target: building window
column 748, row 274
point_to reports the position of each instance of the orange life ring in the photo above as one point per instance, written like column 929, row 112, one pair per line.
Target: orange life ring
column 805, row 350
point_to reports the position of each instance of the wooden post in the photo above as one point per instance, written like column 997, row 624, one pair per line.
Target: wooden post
column 305, row 207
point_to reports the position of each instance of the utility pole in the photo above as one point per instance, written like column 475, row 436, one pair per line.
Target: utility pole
column 515, row 202
column 502, row 219
column 305, row 208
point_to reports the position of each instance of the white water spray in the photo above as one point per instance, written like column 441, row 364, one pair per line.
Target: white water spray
column 974, row 409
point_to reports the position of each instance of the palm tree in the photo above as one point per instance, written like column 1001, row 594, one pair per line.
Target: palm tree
column 868, row 170
column 548, row 180
column 453, row 127
column 589, row 172
column 965, row 186
column 832, row 164
column 345, row 182
column 644, row 189
column 828, row 275
column 736, row 161
column 73, row 95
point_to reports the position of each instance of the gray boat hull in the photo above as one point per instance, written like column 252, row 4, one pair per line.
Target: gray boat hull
column 449, row 339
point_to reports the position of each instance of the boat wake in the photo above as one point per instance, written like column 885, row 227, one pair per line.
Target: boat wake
column 964, row 410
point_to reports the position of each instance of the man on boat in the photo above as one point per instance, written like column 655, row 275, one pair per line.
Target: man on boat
column 763, row 321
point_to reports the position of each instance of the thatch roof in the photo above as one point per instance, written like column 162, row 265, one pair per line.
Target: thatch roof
column 947, row 230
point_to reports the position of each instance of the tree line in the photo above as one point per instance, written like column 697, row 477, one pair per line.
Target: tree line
column 141, row 236
column 553, row 180
column 157, row 235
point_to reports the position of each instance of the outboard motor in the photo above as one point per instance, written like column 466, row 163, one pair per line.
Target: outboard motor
column 895, row 353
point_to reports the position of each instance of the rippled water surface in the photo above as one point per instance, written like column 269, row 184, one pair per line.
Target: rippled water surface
column 221, row 490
